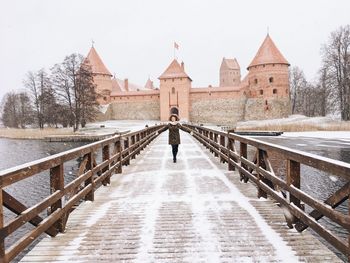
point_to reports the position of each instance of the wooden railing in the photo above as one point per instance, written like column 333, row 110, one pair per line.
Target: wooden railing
column 116, row 151
column 284, row 189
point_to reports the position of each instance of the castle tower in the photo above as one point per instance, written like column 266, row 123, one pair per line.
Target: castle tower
column 268, row 72
column 101, row 75
column 175, row 87
column 230, row 73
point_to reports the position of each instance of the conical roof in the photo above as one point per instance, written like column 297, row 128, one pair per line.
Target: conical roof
column 149, row 84
column 230, row 63
column 268, row 53
column 97, row 66
column 174, row 70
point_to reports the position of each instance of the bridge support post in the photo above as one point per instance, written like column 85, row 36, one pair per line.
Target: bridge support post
column 106, row 156
column 90, row 164
column 216, row 141
column 243, row 154
column 260, row 162
column 2, row 238
column 57, row 184
column 118, row 149
column 222, row 150
column 132, row 144
column 230, row 147
column 126, row 146
column 293, row 178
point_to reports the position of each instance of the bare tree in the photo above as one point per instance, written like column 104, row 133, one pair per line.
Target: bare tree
column 73, row 80
column 336, row 62
column 16, row 110
column 297, row 84
column 38, row 84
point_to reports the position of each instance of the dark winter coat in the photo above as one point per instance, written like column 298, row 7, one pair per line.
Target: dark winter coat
column 174, row 134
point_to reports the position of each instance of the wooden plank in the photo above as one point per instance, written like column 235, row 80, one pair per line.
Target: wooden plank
column 18, row 208
column 260, row 163
column 31, row 212
column 230, row 146
column 57, row 184
column 89, row 166
column 105, row 157
column 334, row 201
column 243, row 152
column 28, row 238
column 118, row 149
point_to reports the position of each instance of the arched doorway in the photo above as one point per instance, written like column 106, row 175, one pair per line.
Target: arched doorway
column 174, row 110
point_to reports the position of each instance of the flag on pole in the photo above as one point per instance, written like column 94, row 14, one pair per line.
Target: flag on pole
column 176, row 46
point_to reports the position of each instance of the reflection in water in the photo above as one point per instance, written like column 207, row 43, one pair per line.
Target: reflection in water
column 33, row 189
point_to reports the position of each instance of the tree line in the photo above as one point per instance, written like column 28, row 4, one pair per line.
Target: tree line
column 65, row 96
column 330, row 93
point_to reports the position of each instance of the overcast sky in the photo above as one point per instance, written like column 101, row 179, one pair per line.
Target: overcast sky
column 135, row 38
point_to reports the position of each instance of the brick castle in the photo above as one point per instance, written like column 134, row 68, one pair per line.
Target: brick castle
column 262, row 94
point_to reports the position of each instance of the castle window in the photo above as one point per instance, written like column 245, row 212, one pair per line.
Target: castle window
column 172, row 80
column 261, row 92
column 271, row 79
column 266, row 102
column 173, row 90
column 274, row 91
column 104, row 98
column 255, row 81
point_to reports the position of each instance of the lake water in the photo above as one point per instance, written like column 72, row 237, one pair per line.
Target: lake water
column 31, row 190
column 34, row 189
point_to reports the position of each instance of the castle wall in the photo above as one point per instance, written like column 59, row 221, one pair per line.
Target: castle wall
column 268, row 108
column 133, row 110
column 223, row 106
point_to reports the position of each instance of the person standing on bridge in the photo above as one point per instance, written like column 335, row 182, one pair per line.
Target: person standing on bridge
column 174, row 134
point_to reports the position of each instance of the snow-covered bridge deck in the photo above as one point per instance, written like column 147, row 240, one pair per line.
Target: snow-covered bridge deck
column 191, row 211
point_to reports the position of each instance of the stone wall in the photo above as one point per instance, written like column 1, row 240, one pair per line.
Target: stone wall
column 217, row 111
column 133, row 110
column 261, row 109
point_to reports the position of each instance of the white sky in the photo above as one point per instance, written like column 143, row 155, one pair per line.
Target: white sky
column 135, row 38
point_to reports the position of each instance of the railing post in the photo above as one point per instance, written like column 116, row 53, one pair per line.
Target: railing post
column 89, row 166
column 133, row 143
column 259, row 162
column 216, row 141
column 118, row 149
column 230, row 147
column 126, row 146
column 2, row 238
column 138, row 142
column 293, row 178
column 243, row 154
column 57, row 184
column 106, row 156
column 222, row 144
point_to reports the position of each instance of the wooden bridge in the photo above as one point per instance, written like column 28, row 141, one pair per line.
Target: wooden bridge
column 221, row 202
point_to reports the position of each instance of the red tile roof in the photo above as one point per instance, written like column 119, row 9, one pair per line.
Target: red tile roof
column 97, row 66
column 268, row 53
column 174, row 70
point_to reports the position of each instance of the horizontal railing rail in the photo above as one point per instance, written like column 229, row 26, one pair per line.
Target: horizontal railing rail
column 116, row 151
column 233, row 149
